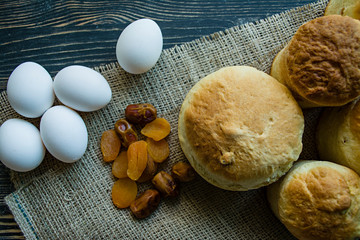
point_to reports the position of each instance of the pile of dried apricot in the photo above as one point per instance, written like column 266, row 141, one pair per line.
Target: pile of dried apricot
column 137, row 162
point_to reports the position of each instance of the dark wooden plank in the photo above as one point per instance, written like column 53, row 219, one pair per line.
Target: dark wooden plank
column 65, row 32
column 60, row 33
column 9, row 229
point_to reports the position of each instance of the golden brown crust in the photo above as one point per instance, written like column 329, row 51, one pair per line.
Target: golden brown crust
column 279, row 70
column 321, row 63
column 240, row 128
column 318, row 200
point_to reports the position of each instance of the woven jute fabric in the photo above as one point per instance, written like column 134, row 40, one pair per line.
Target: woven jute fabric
column 73, row 201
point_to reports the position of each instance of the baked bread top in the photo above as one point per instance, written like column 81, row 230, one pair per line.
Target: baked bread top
column 240, row 128
column 324, row 60
column 321, row 63
column 318, row 200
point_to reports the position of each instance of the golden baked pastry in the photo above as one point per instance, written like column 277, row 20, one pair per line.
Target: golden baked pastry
column 318, row 200
column 349, row 8
column 338, row 135
column 240, row 129
column 321, row 63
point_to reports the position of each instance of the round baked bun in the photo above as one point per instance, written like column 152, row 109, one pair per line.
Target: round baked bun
column 321, row 63
column 338, row 135
column 318, row 200
column 240, row 129
column 349, row 8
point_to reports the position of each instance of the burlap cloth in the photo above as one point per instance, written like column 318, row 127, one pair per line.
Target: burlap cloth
column 73, row 201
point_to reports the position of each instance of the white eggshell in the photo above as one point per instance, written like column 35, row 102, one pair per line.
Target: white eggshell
column 64, row 133
column 139, row 46
column 82, row 88
column 30, row 90
column 21, row 148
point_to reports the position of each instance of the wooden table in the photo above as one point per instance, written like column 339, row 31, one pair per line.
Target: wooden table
column 59, row 33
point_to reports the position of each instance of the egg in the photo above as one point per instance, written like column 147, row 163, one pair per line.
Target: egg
column 64, row 133
column 139, row 46
column 30, row 90
column 82, row 88
column 21, row 148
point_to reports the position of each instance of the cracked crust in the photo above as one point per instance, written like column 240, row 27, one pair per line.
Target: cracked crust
column 318, row 200
column 240, row 129
column 321, row 63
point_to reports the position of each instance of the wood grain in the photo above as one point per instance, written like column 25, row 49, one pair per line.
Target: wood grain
column 59, row 33
column 9, row 229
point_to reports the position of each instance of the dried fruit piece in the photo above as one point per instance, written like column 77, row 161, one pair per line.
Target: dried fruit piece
column 126, row 132
column 124, row 192
column 146, row 203
column 137, row 159
column 120, row 165
column 183, row 172
column 158, row 150
column 140, row 113
column 166, row 184
column 157, row 129
column 149, row 171
column 110, row 145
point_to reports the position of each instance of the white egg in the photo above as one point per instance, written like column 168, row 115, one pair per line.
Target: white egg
column 21, row 148
column 139, row 46
column 82, row 88
column 64, row 133
column 30, row 90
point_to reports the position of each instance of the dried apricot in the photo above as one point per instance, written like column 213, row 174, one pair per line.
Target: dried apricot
column 149, row 171
column 110, row 145
column 157, row 129
column 158, row 150
column 120, row 165
column 137, row 159
column 124, row 192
